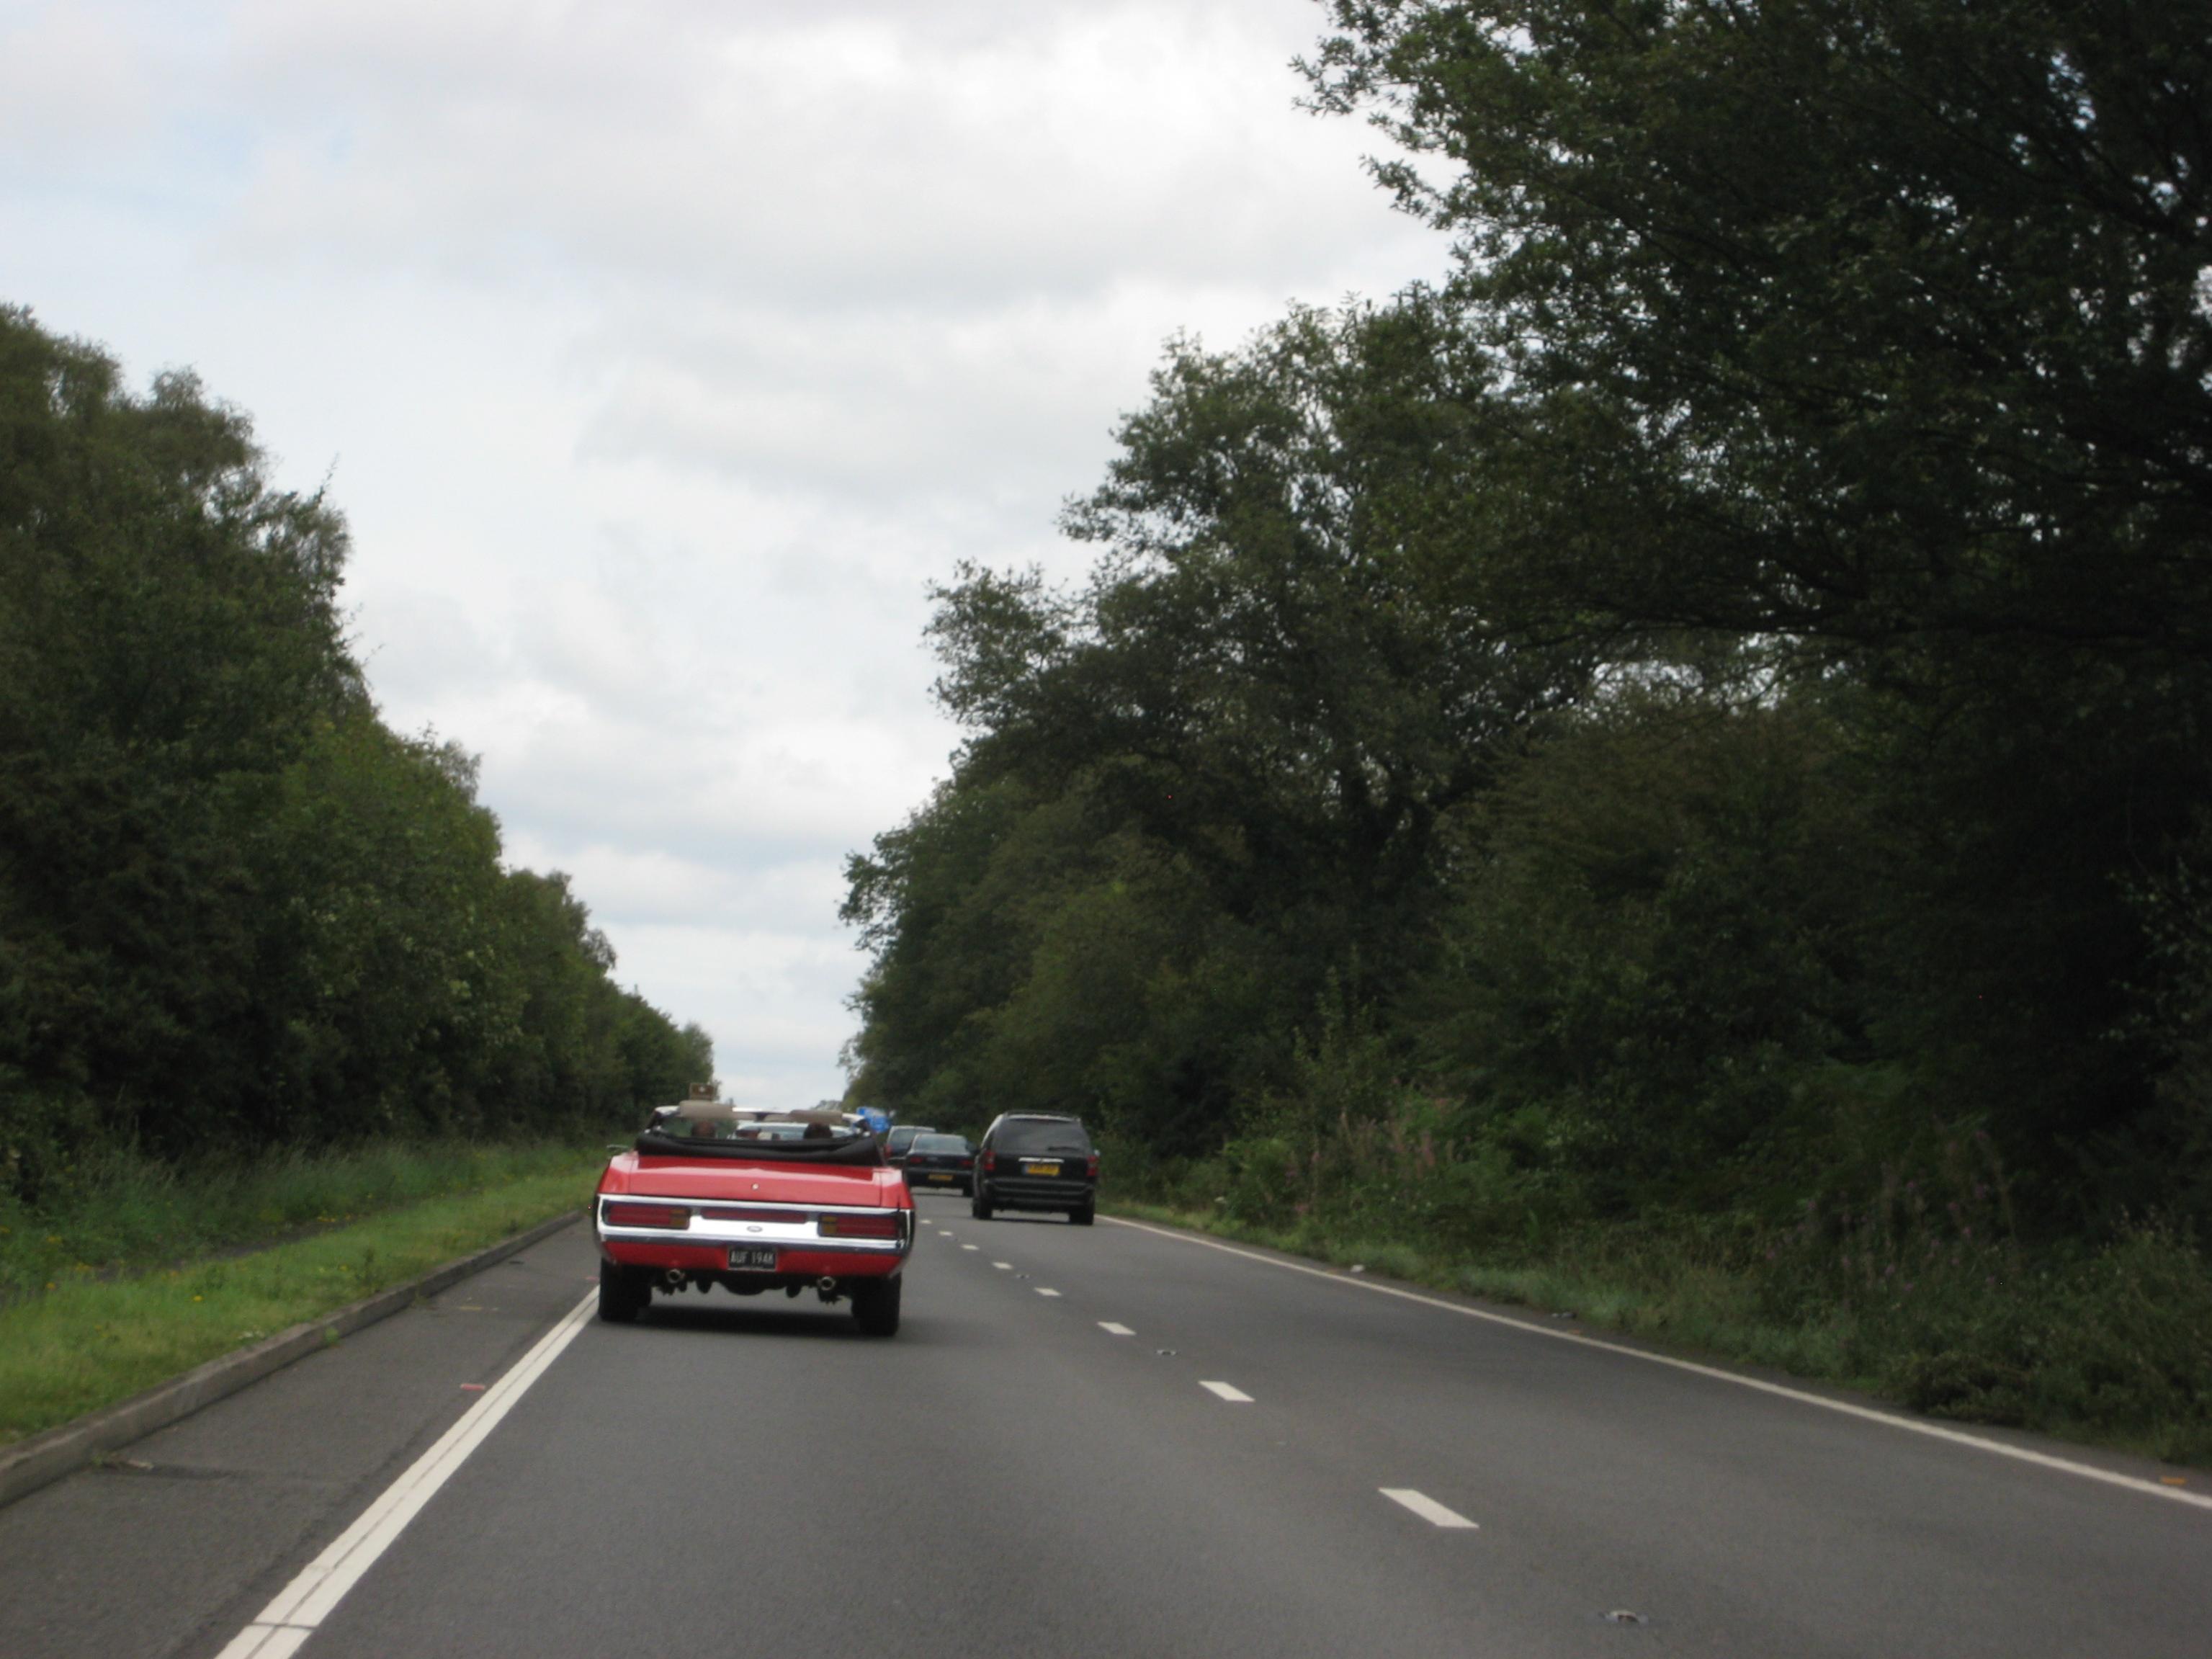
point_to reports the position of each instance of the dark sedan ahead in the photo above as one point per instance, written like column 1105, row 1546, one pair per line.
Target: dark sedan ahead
column 900, row 1138
column 945, row 1163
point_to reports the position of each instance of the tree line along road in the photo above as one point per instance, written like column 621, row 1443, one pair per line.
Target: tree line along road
column 1097, row 1442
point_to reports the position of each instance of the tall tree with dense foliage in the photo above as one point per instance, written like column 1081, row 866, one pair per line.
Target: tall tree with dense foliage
column 1728, row 674
column 1877, row 331
column 1223, row 763
column 234, row 904
column 1891, row 314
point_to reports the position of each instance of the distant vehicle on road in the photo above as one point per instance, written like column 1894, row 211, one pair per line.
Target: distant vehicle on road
column 902, row 1137
column 1030, row 1161
column 753, row 1200
column 940, row 1162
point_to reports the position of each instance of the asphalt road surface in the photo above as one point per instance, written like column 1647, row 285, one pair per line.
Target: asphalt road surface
column 1106, row 1441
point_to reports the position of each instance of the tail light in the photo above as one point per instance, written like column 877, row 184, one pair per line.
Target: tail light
column 990, row 1162
column 674, row 1216
column 876, row 1223
column 1092, row 1168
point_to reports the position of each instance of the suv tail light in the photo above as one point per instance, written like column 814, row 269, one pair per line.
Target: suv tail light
column 880, row 1223
column 990, row 1162
column 675, row 1216
column 1091, row 1168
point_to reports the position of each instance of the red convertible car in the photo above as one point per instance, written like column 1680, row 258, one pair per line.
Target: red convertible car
column 753, row 1200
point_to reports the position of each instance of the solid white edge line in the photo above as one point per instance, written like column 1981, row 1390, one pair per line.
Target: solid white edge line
column 1888, row 1419
column 302, row 1605
column 1042, row 1290
column 1428, row 1509
column 1113, row 1329
column 1229, row 1391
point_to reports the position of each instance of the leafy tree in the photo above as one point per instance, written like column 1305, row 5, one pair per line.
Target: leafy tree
column 1282, row 668
column 1717, row 689
column 1656, row 955
column 1219, row 767
column 1874, row 331
column 1888, row 315
column 234, row 905
column 168, row 644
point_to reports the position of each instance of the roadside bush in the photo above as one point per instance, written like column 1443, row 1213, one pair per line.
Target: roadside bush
column 105, row 1209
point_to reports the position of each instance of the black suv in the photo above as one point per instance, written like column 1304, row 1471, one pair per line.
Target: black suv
column 1028, row 1160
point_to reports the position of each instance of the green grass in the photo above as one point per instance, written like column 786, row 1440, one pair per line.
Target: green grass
column 2109, row 1347
column 90, row 1342
column 119, row 1212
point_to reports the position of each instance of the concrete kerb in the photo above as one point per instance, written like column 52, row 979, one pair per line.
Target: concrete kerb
column 45, row 1458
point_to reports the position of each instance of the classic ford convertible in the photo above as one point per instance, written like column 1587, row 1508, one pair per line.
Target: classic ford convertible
column 754, row 1200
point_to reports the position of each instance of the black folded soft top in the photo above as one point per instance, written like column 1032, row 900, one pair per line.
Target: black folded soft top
column 846, row 1149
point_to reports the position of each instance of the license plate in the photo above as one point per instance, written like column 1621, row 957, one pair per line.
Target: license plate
column 940, row 1177
column 752, row 1258
column 1044, row 1168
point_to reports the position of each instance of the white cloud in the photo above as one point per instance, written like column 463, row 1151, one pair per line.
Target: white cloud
column 662, row 355
column 71, row 91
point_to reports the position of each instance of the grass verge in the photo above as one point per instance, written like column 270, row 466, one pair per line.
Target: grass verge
column 117, row 1213
column 2113, row 1349
column 90, row 1342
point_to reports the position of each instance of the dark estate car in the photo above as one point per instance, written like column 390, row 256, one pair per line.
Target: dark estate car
column 1029, row 1160
column 944, row 1164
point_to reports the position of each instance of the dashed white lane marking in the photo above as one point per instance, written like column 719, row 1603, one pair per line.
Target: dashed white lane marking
column 301, row 1605
column 1006, row 1266
column 971, row 1247
column 1428, row 1509
column 1234, row 1395
column 1040, row 1291
column 1112, row 1329
column 1848, row 1408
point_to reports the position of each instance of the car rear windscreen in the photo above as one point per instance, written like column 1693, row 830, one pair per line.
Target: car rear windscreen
column 1041, row 1137
column 939, row 1144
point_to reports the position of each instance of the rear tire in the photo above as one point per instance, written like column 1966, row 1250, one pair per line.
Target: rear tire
column 1086, row 1215
column 876, row 1306
column 979, row 1204
column 623, row 1293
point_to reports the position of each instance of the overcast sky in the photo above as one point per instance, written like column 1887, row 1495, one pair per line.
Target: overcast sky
column 661, row 352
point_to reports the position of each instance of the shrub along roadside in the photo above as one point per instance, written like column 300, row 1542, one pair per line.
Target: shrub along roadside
column 90, row 1343
column 113, row 1212
column 2111, row 1346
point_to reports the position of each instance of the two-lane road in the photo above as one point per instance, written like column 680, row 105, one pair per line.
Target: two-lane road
column 1117, row 1441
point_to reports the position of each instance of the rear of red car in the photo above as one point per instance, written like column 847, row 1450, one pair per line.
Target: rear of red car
column 706, row 1199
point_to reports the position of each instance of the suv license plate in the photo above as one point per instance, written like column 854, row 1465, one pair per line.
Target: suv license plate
column 1042, row 1169
column 754, row 1258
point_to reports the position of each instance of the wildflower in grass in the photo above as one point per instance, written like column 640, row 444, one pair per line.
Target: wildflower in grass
column 198, row 1298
